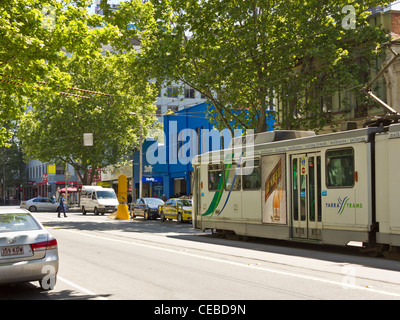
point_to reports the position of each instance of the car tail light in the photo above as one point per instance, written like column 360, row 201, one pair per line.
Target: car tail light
column 45, row 245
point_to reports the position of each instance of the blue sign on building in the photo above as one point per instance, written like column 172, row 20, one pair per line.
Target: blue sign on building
column 152, row 179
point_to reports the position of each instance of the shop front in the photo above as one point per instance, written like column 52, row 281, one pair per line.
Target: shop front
column 152, row 187
column 180, row 186
column 109, row 176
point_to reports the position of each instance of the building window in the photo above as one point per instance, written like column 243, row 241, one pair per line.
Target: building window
column 326, row 103
column 172, row 92
column 173, row 108
column 158, row 112
column 60, row 169
column 189, row 93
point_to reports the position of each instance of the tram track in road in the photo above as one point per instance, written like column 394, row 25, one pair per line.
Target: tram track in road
column 219, row 276
column 269, row 259
column 269, row 264
column 344, row 257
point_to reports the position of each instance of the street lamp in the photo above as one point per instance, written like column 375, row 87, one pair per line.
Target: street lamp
column 140, row 159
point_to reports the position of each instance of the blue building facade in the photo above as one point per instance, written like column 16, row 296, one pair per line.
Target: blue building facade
column 167, row 167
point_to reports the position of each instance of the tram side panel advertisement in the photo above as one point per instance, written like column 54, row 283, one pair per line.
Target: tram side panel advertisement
column 274, row 189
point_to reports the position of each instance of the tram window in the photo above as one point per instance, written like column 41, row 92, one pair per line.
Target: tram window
column 340, row 168
column 214, row 176
column 232, row 178
column 251, row 175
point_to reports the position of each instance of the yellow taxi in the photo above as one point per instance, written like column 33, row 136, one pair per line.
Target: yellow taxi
column 176, row 208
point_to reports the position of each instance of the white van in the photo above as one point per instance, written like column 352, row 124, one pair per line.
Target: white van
column 98, row 200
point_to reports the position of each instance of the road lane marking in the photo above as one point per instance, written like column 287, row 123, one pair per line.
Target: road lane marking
column 82, row 289
column 251, row 266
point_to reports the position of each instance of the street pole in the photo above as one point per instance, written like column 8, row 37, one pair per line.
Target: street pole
column 140, row 160
column 4, row 176
column 140, row 155
column 66, row 182
column 133, row 178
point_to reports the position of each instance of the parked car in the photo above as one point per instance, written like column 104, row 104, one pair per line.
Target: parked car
column 41, row 204
column 175, row 208
column 147, row 207
column 27, row 251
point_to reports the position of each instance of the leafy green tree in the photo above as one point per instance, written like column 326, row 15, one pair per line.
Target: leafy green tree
column 53, row 130
column 12, row 167
column 34, row 38
column 243, row 54
column 331, row 56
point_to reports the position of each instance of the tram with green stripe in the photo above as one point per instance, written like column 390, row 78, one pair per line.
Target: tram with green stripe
column 339, row 188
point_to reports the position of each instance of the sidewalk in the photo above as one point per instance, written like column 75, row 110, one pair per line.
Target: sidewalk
column 74, row 208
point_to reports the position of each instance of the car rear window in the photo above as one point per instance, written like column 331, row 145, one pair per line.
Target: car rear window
column 17, row 222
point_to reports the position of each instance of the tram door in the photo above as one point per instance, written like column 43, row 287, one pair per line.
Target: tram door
column 197, row 190
column 306, row 196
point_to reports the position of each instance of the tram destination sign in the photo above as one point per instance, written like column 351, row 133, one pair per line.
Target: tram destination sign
column 291, row 145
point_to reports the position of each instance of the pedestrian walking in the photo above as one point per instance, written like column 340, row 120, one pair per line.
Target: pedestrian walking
column 61, row 207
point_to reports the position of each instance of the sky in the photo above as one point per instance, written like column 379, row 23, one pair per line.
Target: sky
column 395, row 5
column 93, row 6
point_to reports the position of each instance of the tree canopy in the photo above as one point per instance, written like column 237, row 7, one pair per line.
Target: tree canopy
column 53, row 130
column 35, row 36
column 242, row 55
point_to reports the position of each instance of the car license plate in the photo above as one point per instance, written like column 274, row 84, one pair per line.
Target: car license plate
column 12, row 251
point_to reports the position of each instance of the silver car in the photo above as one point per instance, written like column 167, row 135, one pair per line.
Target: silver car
column 40, row 204
column 27, row 251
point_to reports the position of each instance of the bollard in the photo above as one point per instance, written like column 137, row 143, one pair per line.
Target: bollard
column 122, row 210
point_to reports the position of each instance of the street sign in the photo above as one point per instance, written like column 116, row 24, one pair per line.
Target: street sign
column 303, row 166
column 45, row 177
column 152, row 179
column 88, row 139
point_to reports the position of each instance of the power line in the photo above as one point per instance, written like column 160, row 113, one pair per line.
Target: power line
column 11, row 80
column 60, row 92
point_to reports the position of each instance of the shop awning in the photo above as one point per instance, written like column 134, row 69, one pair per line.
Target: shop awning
column 69, row 189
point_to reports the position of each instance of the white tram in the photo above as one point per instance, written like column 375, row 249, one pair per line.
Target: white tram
column 340, row 188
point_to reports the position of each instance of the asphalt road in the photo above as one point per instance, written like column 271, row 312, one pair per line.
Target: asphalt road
column 107, row 259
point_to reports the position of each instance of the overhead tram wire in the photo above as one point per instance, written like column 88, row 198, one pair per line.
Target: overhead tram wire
column 60, row 92
column 11, row 80
column 8, row 79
